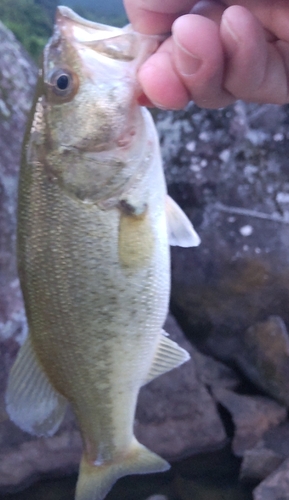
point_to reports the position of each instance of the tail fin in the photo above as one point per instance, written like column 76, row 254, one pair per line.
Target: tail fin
column 94, row 482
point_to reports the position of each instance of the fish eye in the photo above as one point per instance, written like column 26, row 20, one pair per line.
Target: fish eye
column 63, row 83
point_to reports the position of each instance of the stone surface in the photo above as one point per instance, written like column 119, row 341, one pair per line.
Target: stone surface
column 276, row 486
column 157, row 497
column 228, row 170
column 272, row 449
column 17, row 79
column 259, row 462
column 264, row 357
column 252, row 416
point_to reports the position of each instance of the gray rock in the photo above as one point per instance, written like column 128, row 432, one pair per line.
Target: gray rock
column 276, row 486
column 264, row 357
column 261, row 460
column 228, row 170
column 157, row 497
column 252, row 416
column 17, row 80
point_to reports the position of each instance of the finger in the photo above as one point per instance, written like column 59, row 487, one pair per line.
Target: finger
column 160, row 82
column 199, row 60
column 257, row 70
column 155, row 16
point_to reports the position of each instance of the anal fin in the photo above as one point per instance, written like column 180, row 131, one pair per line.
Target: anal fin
column 31, row 401
column 168, row 355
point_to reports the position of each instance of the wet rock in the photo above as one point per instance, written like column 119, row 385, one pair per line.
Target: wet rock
column 157, row 497
column 252, row 416
column 261, row 460
column 228, row 170
column 265, row 357
column 276, row 486
column 30, row 460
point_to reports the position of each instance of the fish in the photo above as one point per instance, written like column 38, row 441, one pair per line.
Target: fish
column 95, row 224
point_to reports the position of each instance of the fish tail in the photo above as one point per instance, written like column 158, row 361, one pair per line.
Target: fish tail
column 95, row 481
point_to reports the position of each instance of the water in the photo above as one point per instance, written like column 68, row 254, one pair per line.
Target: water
column 209, row 476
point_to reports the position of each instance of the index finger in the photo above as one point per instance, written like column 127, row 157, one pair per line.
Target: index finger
column 155, row 17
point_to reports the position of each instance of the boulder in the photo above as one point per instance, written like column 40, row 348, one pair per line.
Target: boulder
column 252, row 417
column 261, row 460
column 276, row 486
column 228, row 170
column 264, row 357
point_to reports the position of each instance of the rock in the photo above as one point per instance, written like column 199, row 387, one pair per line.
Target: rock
column 261, row 460
column 157, row 497
column 228, row 170
column 17, row 80
column 252, row 416
column 32, row 459
column 264, row 357
column 275, row 486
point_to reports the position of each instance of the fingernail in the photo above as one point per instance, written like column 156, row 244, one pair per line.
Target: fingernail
column 229, row 28
column 186, row 63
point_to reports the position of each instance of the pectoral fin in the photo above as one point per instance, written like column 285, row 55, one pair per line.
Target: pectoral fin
column 168, row 355
column 31, row 401
column 180, row 230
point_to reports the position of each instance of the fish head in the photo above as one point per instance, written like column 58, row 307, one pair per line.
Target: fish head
column 89, row 101
column 89, row 76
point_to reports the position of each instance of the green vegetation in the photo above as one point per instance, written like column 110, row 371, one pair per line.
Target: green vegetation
column 29, row 21
column 32, row 20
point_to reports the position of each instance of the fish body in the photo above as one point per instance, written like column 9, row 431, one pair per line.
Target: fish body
column 93, row 251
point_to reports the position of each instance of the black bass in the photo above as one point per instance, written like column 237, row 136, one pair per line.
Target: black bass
column 95, row 224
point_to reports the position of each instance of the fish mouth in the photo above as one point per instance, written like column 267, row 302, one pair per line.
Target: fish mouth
column 123, row 44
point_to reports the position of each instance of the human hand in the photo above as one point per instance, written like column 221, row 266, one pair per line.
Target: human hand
column 218, row 51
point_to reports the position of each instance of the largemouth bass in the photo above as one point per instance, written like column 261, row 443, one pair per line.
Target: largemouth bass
column 94, row 228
